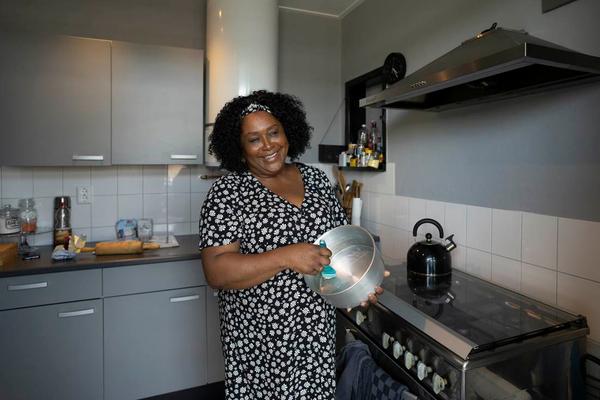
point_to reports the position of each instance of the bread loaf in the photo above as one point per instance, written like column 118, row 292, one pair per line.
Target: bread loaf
column 123, row 247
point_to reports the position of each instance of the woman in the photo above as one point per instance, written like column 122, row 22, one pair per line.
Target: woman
column 257, row 227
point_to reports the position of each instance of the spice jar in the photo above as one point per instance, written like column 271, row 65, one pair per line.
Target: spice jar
column 9, row 220
column 28, row 216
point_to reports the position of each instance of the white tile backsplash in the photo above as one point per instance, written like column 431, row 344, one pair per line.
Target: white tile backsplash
column 417, row 209
column 506, row 272
column 73, row 177
column 104, row 181
column 539, row 283
column 155, row 207
column 155, row 179
column 479, row 228
column 129, row 206
column 178, row 207
column 129, row 180
column 456, row 222
column 479, row 263
column 540, row 239
column 577, row 248
column 506, row 233
column 17, row 182
column 178, row 178
column 104, row 211
column 437, row 211
column 47, row 182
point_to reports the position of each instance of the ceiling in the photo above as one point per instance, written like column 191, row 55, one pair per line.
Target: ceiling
column 328, row 8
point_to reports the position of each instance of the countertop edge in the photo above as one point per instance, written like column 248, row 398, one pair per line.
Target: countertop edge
column 187, row 250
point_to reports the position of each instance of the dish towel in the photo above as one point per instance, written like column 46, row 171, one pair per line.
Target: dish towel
column 360, row 378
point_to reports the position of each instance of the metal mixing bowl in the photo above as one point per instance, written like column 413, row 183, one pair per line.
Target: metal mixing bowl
column 358, row 265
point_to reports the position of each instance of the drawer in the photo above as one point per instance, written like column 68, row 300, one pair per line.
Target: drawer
column 59, row 287
column 152, row 277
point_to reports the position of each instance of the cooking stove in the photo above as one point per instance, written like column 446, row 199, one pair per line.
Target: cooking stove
column 460, row 337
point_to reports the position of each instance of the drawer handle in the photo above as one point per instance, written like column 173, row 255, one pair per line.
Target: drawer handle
column 184, row 156
column 88, row 158
column 28, row 286
column 75, row 313
column 184, row 298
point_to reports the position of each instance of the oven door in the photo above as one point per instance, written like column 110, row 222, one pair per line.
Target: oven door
column 344, row 324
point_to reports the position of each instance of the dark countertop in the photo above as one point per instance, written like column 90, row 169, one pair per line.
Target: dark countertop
column 188, row 249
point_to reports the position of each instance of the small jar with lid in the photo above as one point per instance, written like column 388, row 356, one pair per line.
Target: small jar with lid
column 28, row 215
column 9, row 220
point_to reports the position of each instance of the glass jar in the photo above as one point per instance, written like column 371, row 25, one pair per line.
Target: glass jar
column 9, row 220
column 28, row 216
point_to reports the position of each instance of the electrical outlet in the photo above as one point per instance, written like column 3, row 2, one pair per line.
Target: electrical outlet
column 84, row 194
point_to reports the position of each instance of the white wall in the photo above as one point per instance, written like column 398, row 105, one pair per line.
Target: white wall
column 538, row 153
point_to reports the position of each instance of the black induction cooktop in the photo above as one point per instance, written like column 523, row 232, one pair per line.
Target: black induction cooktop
column 483, row 313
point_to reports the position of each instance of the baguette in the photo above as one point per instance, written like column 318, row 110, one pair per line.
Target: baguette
column 124, row 247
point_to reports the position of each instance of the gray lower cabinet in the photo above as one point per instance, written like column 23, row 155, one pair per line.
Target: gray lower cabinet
column 157, row 104
column 154, row 343
column 52, row 352
column 55, row 100
column 214, row 357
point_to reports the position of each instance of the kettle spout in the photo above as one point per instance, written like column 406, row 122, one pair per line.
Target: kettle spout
column 450, row 245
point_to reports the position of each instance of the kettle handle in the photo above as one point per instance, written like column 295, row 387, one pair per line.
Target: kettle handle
column 428, row 221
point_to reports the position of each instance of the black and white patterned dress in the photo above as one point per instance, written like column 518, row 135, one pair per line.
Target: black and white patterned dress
column 278, row 337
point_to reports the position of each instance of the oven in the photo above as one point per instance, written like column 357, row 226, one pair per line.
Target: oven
column 467, row 339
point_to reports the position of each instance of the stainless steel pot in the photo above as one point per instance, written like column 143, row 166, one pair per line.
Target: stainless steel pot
column 358, row 265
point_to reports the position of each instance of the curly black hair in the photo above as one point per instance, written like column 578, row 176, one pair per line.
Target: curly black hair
column 225, row 142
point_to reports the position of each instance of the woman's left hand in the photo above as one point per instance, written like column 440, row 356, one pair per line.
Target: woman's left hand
column 374, row 297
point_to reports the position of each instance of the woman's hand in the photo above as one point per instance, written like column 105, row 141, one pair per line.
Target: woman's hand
column 306, row 258
column 374, row 297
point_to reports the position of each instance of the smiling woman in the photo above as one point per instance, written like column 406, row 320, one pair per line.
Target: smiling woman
column 257, row 227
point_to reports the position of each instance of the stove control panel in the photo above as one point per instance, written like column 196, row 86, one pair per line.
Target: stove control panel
column 423, row 370
column 411, row 352
column 439, row 383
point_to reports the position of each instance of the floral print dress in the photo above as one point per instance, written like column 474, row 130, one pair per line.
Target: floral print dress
column 279, row 336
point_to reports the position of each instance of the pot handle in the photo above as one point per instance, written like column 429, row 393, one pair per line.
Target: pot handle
column 428, row 221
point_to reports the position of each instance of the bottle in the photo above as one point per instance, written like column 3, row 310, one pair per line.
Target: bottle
column 28, row 215
column 362, row 135
column 373, row 137
column 62, row 221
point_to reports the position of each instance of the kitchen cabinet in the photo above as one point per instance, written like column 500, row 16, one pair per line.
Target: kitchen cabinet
column 155, row 330
column 155, row 343
column 51, row 351
column 214, row 357
column 157, row 104
column 55, row 100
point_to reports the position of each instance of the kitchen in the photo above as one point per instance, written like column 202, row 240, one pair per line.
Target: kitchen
column 516, row 181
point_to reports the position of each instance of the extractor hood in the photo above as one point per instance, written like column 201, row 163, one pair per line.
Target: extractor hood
column 496, row 64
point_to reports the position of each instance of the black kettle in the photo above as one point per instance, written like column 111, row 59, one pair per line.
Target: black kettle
column 429, row 257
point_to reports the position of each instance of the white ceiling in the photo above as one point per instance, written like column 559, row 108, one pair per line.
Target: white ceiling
column 329, row 8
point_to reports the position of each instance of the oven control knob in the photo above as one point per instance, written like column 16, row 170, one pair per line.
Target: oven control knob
column 360, row 317
column 409, row 360
column 422, row 370
column 439, row 383
column 397, row 349
column 386, row 340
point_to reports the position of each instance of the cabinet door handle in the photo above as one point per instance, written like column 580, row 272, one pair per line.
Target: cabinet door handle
column 88, row 158
column 75, row 313
column 28, row 286
column 184, row 298
column 184, row 156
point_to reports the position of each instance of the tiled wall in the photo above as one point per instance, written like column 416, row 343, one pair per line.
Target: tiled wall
column 546, row 257
column 172, row 194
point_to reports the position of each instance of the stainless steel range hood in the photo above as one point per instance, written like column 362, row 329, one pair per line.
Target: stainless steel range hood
column 496, row 64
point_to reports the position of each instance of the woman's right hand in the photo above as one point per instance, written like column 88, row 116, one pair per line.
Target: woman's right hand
column 306, row 258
